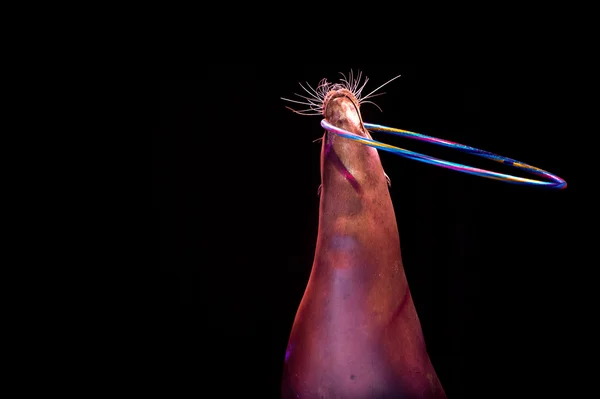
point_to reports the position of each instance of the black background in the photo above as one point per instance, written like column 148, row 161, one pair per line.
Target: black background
column 235, row 206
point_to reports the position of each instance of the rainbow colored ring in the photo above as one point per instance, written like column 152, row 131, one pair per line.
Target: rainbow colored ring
column 556, row 183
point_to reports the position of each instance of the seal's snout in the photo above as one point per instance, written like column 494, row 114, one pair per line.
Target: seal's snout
column 341, row 112
column 341, row 109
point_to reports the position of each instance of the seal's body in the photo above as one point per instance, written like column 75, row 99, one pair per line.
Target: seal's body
column 356, row 334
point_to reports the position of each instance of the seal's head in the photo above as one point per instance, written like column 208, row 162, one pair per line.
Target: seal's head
column 337, row 90
column 342, row 109
column 350, row 87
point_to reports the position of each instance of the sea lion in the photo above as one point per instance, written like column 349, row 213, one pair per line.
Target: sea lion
column 356, row 334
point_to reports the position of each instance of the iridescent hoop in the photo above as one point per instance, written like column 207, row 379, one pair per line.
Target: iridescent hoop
column 556, row 183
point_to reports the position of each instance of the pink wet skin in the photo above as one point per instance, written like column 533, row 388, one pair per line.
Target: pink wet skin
column 356, row 333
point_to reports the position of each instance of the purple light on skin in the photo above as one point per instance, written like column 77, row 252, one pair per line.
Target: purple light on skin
column 288, row 351
column 343, row 242
column 333, row 157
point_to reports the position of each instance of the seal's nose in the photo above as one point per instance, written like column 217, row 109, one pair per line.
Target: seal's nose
column 341, row 111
